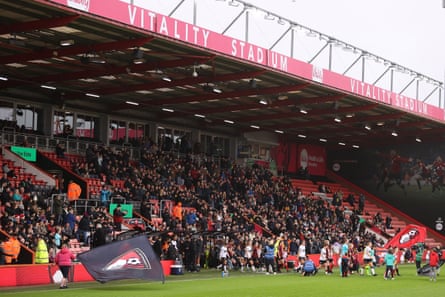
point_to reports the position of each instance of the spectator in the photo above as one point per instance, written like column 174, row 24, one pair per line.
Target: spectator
column 350, row 199
column 70, row 219
column 215, row 191
column 100, row 236
column 6, row 170
column 166, row 217
column 322, row 188
column 105, row 195
column 17, row 196
column 191, row 218
column 146, row 209
column 303, row 173
column 84, row 228
column 60, row 150
column 377, row 220
column 118, row 217
column 388, row 222
column 361, row 203
column 58, row 209
column 64, row 260
column 4, row 181
column 58, row 237
column 67, row 130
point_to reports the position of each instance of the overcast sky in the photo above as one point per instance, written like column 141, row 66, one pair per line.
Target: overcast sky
column 408, row 32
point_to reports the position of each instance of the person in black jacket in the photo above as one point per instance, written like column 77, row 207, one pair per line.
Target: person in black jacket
column 100, row 236
column 84, row 228
column 146, row 209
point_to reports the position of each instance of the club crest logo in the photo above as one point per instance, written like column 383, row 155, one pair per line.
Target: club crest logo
column 133, row 259
column 410, row 235
column 79, row 4
column 317, row 74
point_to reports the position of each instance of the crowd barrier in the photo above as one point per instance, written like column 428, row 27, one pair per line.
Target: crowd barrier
column 45, row 274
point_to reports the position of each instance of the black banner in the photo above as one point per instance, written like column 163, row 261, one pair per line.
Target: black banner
column 127, row 259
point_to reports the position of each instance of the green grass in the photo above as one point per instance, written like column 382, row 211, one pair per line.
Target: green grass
column 210, row 283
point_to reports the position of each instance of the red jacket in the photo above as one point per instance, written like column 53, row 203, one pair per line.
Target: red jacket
column 434, row 258
column 64, row 257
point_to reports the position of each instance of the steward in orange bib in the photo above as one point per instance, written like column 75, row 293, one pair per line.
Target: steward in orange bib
column 12, row 247
column 177, row 211
column 74, row 191
column 3, row 251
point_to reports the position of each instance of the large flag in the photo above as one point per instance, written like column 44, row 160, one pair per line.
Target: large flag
column 133, row 258
column 408, row 237
column 258, row 229
column 426, row 269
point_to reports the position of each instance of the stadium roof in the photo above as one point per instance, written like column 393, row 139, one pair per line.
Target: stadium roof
column 53, row 54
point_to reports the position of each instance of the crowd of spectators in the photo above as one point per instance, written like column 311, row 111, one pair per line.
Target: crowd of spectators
column 12, row 126
column 229, row 211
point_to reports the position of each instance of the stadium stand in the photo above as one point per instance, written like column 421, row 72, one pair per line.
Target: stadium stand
column 225, row 203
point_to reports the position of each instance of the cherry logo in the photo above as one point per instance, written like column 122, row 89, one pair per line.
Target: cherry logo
column 133, row 259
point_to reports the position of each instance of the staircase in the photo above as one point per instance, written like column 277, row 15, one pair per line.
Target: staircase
column 373, row 205
column 309, row 188
column 20, row 174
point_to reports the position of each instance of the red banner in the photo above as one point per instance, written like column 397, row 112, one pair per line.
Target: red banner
column 292, row 159
column 280, row 154
column 150, row 21
column 313, row 158
column 408, row 237
column 258, row 229
column 37, row 274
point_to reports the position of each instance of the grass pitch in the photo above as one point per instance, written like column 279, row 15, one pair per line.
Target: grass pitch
column 210, row 283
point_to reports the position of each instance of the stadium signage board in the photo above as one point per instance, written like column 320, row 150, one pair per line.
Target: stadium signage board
column 142, row 18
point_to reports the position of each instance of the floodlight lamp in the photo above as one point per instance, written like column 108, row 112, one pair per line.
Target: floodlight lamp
column 252, row 83
column 195, row 73
column 67, row 42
